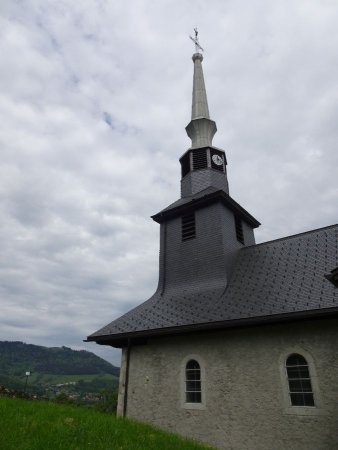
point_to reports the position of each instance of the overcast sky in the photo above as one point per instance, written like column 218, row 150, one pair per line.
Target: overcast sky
column 95, row 96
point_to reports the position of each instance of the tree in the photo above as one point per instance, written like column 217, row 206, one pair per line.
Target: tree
column 107, row 401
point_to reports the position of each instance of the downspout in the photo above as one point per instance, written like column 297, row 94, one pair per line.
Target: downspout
column 126, row 383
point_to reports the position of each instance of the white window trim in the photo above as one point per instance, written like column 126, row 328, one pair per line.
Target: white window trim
column 300, row 410
column 184, row 404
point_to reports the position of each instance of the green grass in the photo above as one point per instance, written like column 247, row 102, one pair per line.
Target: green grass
column 38, row 425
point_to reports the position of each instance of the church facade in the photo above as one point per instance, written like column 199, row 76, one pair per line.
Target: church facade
column 238, row 347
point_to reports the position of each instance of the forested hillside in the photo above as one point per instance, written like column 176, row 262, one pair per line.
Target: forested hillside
column 17, row 357
column 80, row 375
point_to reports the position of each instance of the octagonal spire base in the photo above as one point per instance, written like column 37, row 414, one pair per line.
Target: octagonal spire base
column 201, row 132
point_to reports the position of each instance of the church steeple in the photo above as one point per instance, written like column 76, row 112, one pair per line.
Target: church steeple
column 201, row 129
column 203, row 230
column 203, row 165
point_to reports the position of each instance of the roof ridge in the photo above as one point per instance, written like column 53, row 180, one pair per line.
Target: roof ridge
column 291, row 236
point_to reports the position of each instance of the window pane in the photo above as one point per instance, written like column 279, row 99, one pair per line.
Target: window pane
column 297, row 399
column 298, row 372
column 306, row 386
column 302, row 399
column 308, row 400
column 193, row 374
column 192, row 364
column 193, row 385
column 300, row 386
column 193, row 397
column 295, row 386
column 296, row 360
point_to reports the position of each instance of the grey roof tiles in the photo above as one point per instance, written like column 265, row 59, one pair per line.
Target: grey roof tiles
column 210, row 194
column 276, row 278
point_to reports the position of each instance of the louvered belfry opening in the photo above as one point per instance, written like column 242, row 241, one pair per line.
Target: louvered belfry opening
column 188, row 227
column 185, row 164
column 200, row 159
column 239, row 229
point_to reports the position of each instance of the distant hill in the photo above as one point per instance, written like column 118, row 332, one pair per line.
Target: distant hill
column 17, row 357
column 78, row 373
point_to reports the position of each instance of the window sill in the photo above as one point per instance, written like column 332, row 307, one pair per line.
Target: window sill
column 304, row 411
column 199, row 406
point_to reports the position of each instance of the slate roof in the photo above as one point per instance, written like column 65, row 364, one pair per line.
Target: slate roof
column 280, row 279
column 206, row 196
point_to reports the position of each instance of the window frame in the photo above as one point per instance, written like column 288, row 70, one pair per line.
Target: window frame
column 295, row 409
column 193, row 377
column 184, row 403
column 300, row 379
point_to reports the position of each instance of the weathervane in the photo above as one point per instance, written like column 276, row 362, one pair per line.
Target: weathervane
column 195, row 41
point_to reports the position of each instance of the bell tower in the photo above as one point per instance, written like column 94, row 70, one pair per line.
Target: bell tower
column 201, row 232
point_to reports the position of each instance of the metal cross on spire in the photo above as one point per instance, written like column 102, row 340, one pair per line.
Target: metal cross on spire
column 195, row 41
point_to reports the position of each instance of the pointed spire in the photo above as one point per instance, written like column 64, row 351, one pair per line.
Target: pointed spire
column 199, row 96
column 201, row 129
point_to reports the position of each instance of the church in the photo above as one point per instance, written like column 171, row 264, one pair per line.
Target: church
column 238, row 346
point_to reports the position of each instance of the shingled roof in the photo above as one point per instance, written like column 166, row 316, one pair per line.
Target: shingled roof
column 278, row 280
column 202, row 198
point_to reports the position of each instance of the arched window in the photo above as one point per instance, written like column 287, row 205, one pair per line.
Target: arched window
column 300, row 387
column 193, row 392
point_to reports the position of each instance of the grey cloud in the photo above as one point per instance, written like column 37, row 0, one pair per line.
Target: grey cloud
column 92, row 126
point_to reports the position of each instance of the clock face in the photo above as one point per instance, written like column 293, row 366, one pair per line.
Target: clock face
column 217, row 160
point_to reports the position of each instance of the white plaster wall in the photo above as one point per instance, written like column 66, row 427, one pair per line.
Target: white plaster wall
column 245, row 407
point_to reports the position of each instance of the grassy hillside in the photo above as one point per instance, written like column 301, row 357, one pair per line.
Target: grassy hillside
column 37, row 425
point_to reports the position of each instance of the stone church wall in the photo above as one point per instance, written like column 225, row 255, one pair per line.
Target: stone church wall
column 245, row 402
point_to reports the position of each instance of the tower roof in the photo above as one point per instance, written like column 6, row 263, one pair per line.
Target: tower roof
column 201, row 199
column 199, row 107
column 201, row 129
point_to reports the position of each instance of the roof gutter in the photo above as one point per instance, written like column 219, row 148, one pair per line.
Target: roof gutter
column 121, row 339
